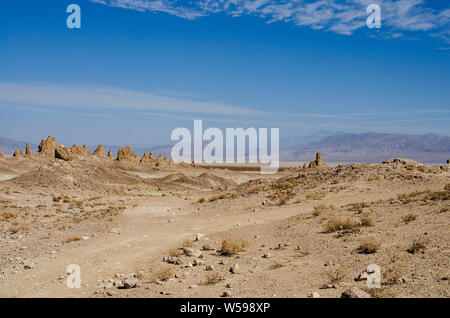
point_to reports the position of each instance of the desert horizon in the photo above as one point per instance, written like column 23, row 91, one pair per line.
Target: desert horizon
column 224, row 156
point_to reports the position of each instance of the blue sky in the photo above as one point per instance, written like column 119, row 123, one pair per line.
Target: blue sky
column 137, row 69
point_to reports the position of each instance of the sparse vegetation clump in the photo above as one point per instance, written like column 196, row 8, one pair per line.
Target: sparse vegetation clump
column 232, row 247
column 187, row 243
column 336, row 276
column 335, row 224
column 164, row 272
column 176, row 252
column 409, row 218
column 367, row 221
column 214, row 278
column 418, row 246
column 317, row 195
column 357, row 207
column 369, row 247
column 283, row 191
column 317, row 210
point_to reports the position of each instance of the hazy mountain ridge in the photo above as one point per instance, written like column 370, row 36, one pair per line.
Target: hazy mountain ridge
column 373, row 147
column 366, row 147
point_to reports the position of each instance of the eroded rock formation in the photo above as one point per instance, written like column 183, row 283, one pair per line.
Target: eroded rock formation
column 100, row 152
column 47, row 146
column 125, row 154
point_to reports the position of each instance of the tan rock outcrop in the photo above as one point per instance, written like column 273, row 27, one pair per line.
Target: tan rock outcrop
column 2, row 155
column 146, row 158
column 110, row 155
column 125, row 154
column 78, row 151
column 47, row 146
column 318, row 162
column 100, row 152
column 28, row 149
column 64, row 153
column 17, row 154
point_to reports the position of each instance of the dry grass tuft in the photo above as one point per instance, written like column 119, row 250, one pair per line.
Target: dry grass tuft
column 176, row 252
column 317, row 210
column 188, row 243
column 367, row 221
column 337, row 224
column 369, row 247
column 317, row 195
column 336, row 276
column 418, row 246
column 164, row 272
column 409, row 218
column 214, row 278
column 233, row 246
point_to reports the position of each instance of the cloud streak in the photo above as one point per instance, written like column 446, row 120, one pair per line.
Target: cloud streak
column 101, row 97
column 343, row 17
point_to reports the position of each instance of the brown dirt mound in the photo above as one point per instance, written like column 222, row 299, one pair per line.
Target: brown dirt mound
column 205, row 180
column 65, row 176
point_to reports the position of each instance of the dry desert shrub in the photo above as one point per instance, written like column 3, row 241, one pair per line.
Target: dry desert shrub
column 187, row 243
column 282, row 196
column 214, row 278
column 283, row 191
column 418, row 246
column 409, row 218
column 232, row 247
column 367, row 221
column 317, row 210
column 336, row 276
column 338, row 223
column 163, row 272
column 357, row 207
column 373, row 178
column 447, row 187
column 369, row 247
column 176, row 252
column 317, row 195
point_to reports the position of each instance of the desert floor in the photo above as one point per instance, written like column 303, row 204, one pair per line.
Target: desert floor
column 180, row 231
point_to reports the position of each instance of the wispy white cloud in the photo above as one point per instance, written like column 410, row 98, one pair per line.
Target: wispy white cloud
column 101, row 97
column 338, row 16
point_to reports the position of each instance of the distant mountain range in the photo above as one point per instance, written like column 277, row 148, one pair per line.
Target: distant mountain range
column 373, row 147
column 8, row 146
column 367, row 147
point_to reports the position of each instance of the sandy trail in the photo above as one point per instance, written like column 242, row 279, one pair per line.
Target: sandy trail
column 145, row 232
